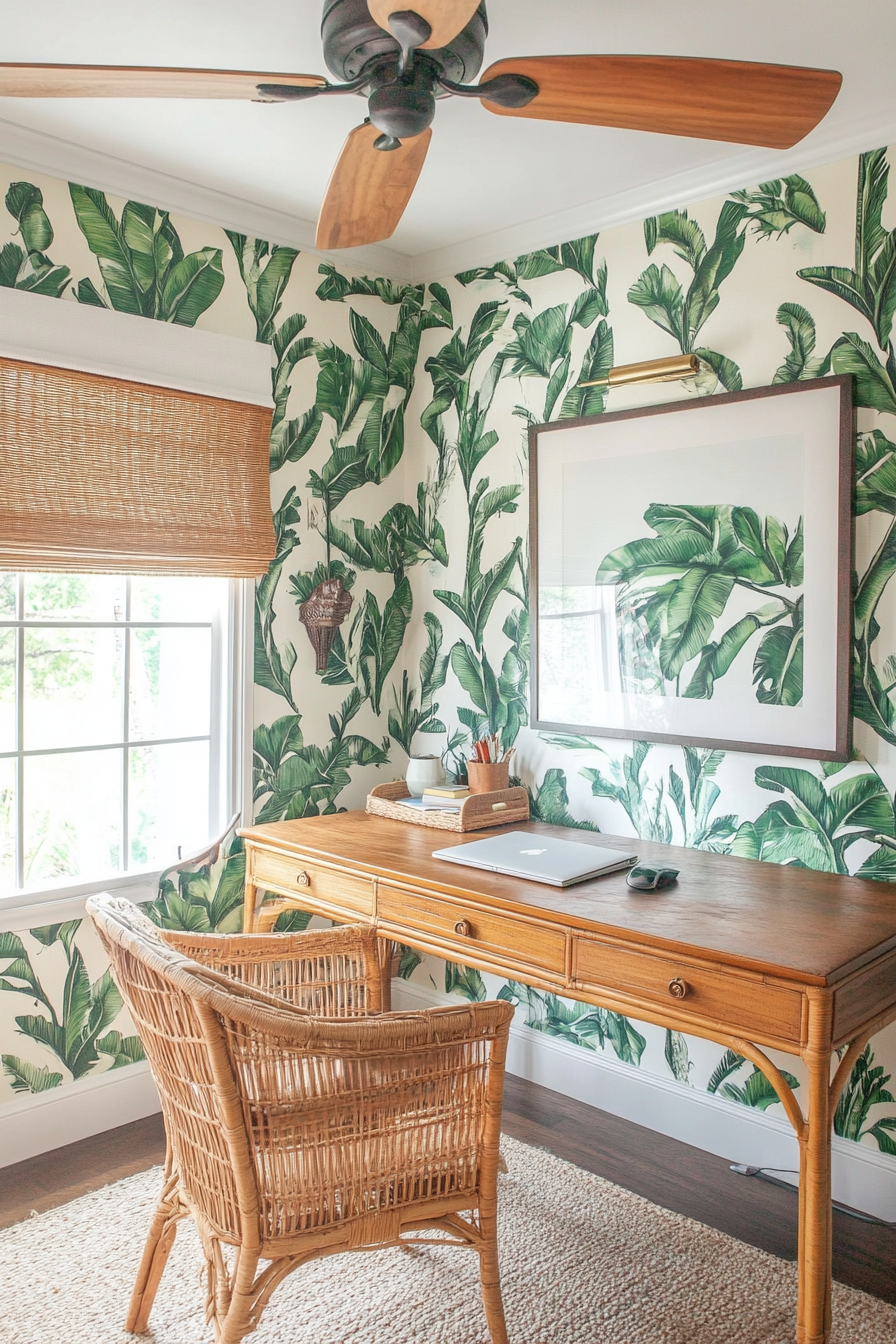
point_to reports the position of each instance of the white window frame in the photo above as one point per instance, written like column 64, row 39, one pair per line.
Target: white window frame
column 229, row 738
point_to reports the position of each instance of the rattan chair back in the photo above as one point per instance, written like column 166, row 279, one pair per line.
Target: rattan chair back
column 329, row 972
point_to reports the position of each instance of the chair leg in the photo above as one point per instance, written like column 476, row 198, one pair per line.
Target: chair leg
column 159, row 1242
column 233, row 1302
column 491, row 1286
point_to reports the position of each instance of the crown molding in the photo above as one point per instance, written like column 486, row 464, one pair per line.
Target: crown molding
column 35, row 150
column 744, row 169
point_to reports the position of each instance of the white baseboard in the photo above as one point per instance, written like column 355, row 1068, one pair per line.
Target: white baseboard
column 862, row 1178
column 41, row 1121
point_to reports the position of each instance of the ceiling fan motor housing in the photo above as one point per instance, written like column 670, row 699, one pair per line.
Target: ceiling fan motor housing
column 352, row 41
column 404, row 109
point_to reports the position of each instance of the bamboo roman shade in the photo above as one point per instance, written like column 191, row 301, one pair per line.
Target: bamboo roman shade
column 104, row 474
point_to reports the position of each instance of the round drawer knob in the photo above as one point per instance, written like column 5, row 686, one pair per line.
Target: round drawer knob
column 678, row 988
column 464, row 928
column 303, row 880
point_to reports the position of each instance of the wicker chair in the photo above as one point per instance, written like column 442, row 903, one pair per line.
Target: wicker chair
column 295, row 1136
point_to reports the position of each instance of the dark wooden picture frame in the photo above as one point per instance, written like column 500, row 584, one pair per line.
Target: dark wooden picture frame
column 826, row 717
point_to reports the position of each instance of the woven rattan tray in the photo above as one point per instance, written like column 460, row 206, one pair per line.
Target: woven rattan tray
column 477, row 812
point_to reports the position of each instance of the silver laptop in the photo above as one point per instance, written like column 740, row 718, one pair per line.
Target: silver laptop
column 539, row 858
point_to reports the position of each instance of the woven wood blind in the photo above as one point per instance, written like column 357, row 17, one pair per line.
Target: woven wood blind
column 101, row 474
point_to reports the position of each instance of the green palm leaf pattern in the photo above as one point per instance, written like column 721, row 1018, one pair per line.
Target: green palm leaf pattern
column 865, row 1088
column 265, row 272
column 775, row 207
column 579, row 1023
column 465, row 981
column 870, row 285
column 29, row 268
column 73, row 1031
column 756, row 1091
column 142, row 262
column 819, row 818
column 800, row 328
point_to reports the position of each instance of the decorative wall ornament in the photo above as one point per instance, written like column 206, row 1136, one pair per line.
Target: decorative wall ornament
column 728, row 625
column 322, row 615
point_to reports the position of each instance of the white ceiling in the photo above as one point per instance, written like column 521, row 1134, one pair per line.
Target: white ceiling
column 492, row 186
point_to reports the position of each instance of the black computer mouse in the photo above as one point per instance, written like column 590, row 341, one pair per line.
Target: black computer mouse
column 642, row 878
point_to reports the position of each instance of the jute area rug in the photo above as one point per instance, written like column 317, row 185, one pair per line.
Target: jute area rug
column 583, row 1262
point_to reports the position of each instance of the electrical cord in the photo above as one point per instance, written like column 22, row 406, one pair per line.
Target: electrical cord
column 762, row 1173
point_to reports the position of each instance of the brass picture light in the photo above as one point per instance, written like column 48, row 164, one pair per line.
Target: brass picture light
column 649, row 371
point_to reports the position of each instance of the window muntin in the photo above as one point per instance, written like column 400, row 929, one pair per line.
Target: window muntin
column 111, row 722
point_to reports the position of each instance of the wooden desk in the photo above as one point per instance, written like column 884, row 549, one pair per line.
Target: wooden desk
column 748, row 954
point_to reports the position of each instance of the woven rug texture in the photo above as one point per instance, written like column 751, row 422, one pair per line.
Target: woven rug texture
column 582, row 1262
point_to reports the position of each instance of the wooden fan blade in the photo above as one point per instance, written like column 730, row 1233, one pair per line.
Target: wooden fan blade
column 369, row 189
column 114, row 81
column 738, row 101
column 446, row 18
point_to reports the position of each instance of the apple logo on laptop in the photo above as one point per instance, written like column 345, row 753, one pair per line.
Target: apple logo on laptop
column 533, row 851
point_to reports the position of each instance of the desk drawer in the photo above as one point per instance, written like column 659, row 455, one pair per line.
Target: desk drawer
column 323, row 887
column 750, row 1006
column 460, row 927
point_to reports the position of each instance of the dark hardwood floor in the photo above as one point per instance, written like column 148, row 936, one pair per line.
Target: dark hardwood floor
column 693, row 1182
column 662, row 1170
column 54, row 1178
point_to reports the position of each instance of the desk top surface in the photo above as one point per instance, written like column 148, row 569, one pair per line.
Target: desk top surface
column 784, row 921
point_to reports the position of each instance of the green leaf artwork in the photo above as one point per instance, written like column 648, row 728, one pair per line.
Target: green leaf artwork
column 577, row 256
column 869, row 287
column 465, row 981
column 28, row 267
column 677, row 1058
column 482, row 589
column 674, row 588
column 274, row 664
column 142, row 262
column 542, row 349
column 627, row 785
column 550, row 802
column 654, row 805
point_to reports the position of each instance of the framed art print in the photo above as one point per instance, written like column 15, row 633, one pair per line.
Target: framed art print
column 691, row 568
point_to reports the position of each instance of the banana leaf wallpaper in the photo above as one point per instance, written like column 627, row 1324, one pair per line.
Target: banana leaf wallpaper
column 398, row 464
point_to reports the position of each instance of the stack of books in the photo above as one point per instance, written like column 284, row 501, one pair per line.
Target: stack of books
column 445, row 798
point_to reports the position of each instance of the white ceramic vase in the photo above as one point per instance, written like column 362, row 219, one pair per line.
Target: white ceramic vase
column 424, row 772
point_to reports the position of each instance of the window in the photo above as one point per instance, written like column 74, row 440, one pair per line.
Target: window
column 116, row 701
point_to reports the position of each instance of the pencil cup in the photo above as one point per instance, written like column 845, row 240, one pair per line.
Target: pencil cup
column 487, row 778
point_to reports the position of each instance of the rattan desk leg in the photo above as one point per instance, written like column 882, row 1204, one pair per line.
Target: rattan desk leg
column 249, row 908
column 388, row 955
column 814, row 1308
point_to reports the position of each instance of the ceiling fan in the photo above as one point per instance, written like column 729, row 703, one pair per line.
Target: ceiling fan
column 402, row 60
